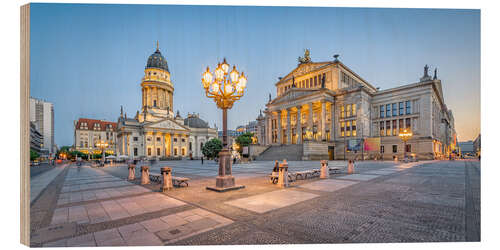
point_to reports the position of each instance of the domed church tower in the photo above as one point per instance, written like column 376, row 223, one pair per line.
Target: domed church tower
column 157, row 89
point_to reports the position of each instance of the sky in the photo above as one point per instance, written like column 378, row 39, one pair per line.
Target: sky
column 88, row 60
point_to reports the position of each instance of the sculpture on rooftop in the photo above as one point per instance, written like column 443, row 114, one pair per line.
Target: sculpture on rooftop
column 306, row 58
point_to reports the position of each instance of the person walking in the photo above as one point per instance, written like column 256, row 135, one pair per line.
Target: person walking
column 201, row 160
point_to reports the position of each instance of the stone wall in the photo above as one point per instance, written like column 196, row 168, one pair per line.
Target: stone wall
column 315, row 150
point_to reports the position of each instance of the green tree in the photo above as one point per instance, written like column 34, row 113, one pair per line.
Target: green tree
column 212, row 148
column 244, row 140
column 33, row 155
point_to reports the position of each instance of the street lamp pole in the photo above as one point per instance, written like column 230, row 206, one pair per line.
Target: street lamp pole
column 405, row 135
column 225, row 88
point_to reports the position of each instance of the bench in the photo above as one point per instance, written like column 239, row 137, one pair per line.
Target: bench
column 304, row 174
column 273, row 178
column 176, row 181
column 335, row 170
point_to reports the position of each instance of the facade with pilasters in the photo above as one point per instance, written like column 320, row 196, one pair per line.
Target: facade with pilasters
column 325, row 105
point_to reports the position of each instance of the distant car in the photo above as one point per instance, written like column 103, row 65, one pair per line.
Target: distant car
column 34, row 163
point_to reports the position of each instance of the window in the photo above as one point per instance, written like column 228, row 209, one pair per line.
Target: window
column 158, row 151
column 183, row 151
column 388, row 128
column 401, row 110
column 315, row 81
column 382, row 149
column 135, row 151
column 394, row 148
column 81, row 144
column 408, row 123
column 394, row 127
column 348, row 128
column 388, row 110
column 158, row 139
column 408, row 107
column 382, row 132
column 354, row 109
column 394, row 109
column 136, row 138
column 401, row 125
column 408, row 148
column 175, row 139
column 342, row 128
column 382, row 111
column 175, row 151
column 149, row 151
column 348, row 113
column 149, row 138
column 342, row 110
column 183, row 140
column 354, row 132
column 190, row 146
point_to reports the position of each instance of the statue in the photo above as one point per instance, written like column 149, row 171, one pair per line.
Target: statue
column 269, row 97
column 435, row 74
column 426, row 71
column 293, row 81
column 323, row 82
column 306, row 58
column 336, row 56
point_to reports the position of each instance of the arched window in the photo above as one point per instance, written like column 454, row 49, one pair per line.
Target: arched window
column 154, row 103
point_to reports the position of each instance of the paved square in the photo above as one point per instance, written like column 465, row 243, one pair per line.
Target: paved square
column 383, row 171
column 329, row 185
column 268, row 201
column 359, row 177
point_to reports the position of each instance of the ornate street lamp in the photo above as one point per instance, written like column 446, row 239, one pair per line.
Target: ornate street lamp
column 405, row 135
column 102, row 145
column 225, row 88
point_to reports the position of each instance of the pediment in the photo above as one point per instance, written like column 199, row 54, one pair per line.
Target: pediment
column 292, row 94
column 167, row 124
column 304, row 68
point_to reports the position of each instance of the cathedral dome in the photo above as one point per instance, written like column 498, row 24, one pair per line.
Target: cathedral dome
column 156, row 60
column 194, row 121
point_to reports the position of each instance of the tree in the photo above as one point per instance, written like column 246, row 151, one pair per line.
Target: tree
column 33, row 155
column 244, row 140
column 212, row 148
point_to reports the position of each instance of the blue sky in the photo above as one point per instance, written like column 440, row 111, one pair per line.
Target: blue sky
column 89, row 59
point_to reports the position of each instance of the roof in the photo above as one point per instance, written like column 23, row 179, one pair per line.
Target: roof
column 194, row 121
column 93, row 122
column 156, row 60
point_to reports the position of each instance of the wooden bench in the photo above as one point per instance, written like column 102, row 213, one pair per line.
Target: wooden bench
column 273, row 178
column 176, row 181
column 304, row 174
column 334, row 170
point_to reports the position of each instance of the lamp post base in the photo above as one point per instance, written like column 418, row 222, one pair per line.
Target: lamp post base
column 225, row 181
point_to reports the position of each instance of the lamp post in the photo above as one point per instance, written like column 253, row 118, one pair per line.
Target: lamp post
column 405, row 135
column 225, row 88
column 102, row 145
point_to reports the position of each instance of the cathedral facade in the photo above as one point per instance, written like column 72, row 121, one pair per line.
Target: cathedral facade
column 155, row 132
column 331, row 112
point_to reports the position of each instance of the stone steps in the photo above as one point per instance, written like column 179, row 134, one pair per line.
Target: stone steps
column 291, row 152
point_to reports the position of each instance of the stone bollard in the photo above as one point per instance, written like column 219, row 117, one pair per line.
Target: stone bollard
column 325, row 174
column 144, row 175
column 131, row 172
column 166, row 173
column 350, row 167
column 283, row 174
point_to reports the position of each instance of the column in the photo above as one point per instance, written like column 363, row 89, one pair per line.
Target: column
column 310, row 119
column 299, row 125
column 143, row 98
column 332, row 124
column 267, row 130
column 279, row 129
column 323, row 119
column 195, row 146
column 288, row 127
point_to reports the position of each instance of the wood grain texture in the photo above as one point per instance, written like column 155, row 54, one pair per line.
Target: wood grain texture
column 25, row 147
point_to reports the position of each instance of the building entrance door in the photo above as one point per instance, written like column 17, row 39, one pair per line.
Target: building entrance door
column 331, row 155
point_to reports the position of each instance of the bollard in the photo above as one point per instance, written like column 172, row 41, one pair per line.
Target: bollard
column 350, row 167
column 395, row 159
column 283, row 174
column 131, row 172
column 166, row 173
column 325, row 174
column 144, row 175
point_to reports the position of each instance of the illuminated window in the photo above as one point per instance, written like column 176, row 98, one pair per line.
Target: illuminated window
column 348, row 114
column 354, row 131
column 348, row 128
column 401, row 125
column 388, row 128
column 342, row 128
column 354, row 109
column 382, row 132
column 157, row 151
column 394, row 127
column 342, row 111
column 149, row 151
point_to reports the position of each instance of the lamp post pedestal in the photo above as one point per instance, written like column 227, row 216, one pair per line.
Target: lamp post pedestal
column 225, row 181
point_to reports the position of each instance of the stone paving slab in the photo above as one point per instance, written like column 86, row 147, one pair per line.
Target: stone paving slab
column 153, row 232
column 359, row 177
column 90, row 195
column 383, row 171
column 272, row 200
column 328, row 185
column 40, row 182
column 108, row 210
